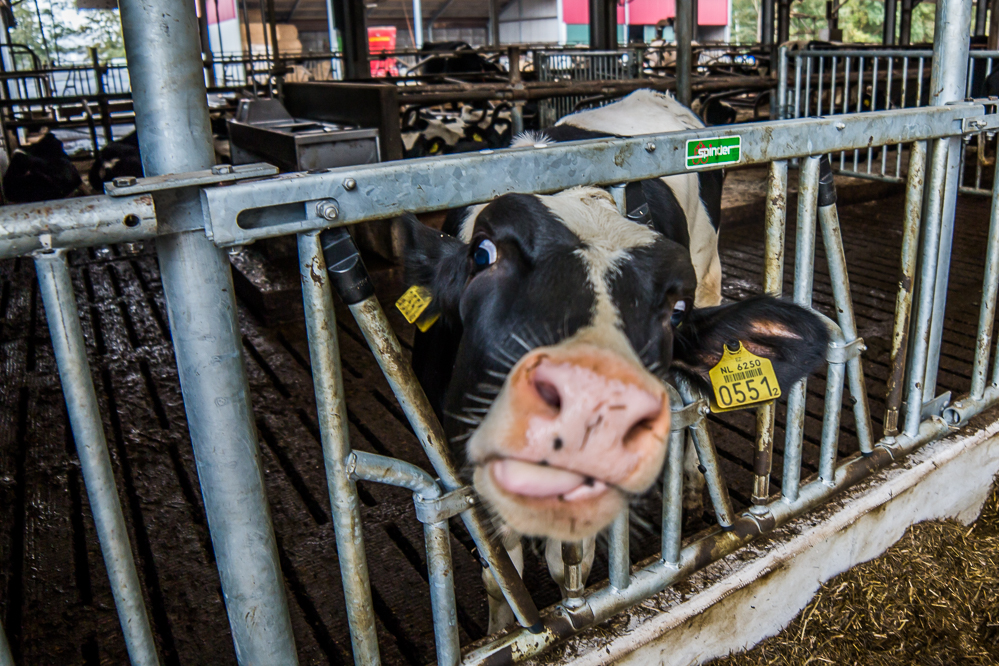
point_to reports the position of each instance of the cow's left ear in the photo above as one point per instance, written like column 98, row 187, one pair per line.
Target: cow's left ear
column 436, row 261
column 793, row 338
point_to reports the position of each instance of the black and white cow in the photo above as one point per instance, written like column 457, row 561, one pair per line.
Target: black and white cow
column 40, row 171
column 118, row 158
column 560, row 320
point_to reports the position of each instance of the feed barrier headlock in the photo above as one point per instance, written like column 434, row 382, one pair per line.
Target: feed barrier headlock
column 191, row 219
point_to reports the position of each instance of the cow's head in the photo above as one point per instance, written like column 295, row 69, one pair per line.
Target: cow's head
column 569, row 317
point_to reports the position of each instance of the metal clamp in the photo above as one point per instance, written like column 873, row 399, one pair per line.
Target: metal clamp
column 986, row 123
column 689, row 415
column 221, row 173
column 444, row 507
column 841, row 353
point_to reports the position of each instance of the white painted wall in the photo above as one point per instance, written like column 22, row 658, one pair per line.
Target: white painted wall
column 533, row 21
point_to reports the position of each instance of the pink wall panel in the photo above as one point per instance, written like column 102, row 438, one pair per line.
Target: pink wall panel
column 648, row 12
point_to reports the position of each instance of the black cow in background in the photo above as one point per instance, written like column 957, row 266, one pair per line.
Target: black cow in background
column 460, row 58
column 40, row 171
column 116, row 160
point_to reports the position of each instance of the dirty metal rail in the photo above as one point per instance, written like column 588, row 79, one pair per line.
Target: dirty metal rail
column 244, row 212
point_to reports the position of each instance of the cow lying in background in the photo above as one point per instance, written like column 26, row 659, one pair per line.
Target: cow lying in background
column 428, row 131
column 560, row 320
column 115, row 160
column 40, row 171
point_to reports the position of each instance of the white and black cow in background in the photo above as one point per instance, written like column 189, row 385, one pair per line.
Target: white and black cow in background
column 561, row 318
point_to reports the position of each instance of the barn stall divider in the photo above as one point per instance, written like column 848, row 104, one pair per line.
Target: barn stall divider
column 825, row 82
column 192, row 219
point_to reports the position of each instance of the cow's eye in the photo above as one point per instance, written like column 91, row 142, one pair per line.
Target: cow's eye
column 679, row 312
column 485, row 254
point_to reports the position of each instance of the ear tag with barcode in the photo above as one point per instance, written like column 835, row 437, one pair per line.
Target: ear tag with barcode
column 413, row 304
column 742, row 379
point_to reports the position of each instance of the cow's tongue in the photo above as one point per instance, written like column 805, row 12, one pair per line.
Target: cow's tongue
column 531, row 480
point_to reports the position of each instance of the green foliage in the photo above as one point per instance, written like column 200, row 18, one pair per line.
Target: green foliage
column 860, row 20
column 68, row 32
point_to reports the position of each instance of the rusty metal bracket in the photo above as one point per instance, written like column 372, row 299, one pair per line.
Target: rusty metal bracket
column 689, row 415
column 444, row 507
column 837, row 353
column 218, row 174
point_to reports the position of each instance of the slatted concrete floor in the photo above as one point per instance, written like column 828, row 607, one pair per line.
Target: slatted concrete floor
column 54, row 597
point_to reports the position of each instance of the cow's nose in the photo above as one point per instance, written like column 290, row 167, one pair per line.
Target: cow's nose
column 590, row 411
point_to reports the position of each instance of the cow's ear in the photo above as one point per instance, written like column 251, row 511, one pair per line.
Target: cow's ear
column 793, row 338
column 436, row 261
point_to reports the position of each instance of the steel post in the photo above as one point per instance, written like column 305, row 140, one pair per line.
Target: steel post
column 773, row 284
column 920, row 336
column 418, row 24
column 833, row 405
column 981, row 12
column 990, row 287
column 572, row 574
column 888, row 30
column 784, row 21
column 92, row 449
column 672, row 518
column 168, row 90
column 767, row 23
column 906, row 282
column 947, row 84
column 388, row 352
column 619, row 550
column 708, row 458
column 683, row 29
column 905, row 23
column 324, row 357
column 804, row 260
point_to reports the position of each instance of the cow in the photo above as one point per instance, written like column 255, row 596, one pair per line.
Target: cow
column 40, row 171
column 115, row 160
column 560, row 319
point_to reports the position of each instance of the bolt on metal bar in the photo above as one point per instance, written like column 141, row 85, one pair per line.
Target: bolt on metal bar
column 171, row 118
column 619, row 550
column 91, row 446
column 927, row 280
column 708, row 457
column 906, row 283
column 382, row 469
column 672, row 518
column 804, row 260
column 572, row 574
column 773, row 285
column 990, row 287
column 385, row 346
column 324, row 356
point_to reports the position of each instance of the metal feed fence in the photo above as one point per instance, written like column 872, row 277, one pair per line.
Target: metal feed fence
column 831, row 82
column 182, row 206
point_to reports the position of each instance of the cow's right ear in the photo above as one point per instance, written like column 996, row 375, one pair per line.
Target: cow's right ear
column 436, row 261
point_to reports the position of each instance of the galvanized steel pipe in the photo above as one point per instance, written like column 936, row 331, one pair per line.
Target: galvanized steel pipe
column 92, row 448
column 672, row 518
column 168, row 91
column 331, row 406
column 990, row 287
column 708, row 457
column 683, row 29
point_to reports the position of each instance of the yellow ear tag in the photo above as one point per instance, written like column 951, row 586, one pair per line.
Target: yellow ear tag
column 414, row 303
column 742, row 379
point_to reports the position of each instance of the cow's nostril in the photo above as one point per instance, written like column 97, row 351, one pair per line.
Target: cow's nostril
column 549, row 394
column 558, row 443
column 637, row 430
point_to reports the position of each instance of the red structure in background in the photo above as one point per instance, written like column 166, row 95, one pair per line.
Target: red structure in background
column 649, row 12
column 226, row 11
column 381, row 39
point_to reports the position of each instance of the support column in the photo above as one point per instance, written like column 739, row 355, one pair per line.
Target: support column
column 350, row 16
column 168, row 91
column 683, row 27
column 947, row 84
column 418, row 23
column 888, row 36
column 994, row 26
column 905, row 23
column 494, row 31
column 981, row 20
column 766, row 22
column 603, row 25
column 784, row 21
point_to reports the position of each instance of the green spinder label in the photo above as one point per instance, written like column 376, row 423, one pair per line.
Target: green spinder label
column 709, row 152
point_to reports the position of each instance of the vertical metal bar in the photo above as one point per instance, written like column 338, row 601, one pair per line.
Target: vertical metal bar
column 708, row 457
column 804, row 259
column 818, row 99
column 888, row 33
column 839, row 277
column 886, row 147
column 388, row 352
column 797, row 85
column 919, row 83
column 441, row 577
column 988, row 308
column 808, row 85
column 927, row 280
column 860, row 101
column 684, row 27
column 773, row 285
column 781, row 106
column 906, row 282
column 874, row 104
column 324, row 355
column 846, row 99
column 619, row 550
column 95, row 462
column 673, row 489
column 168, row 92
column 830, row 422
column 950, row 63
